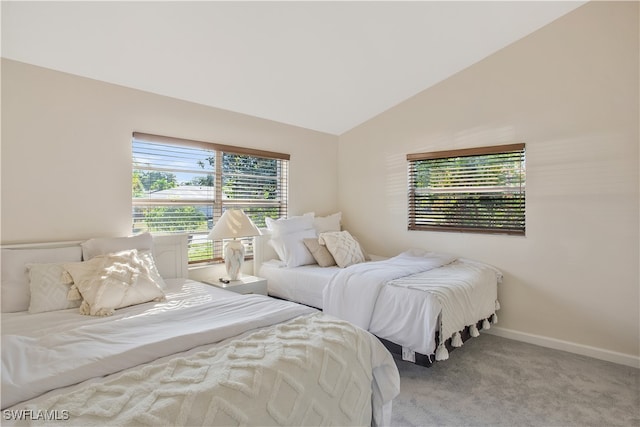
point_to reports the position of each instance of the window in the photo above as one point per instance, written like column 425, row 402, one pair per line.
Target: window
column 185, row 186
column 474, row 190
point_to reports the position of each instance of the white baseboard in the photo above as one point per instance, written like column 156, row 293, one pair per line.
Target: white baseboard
column 584, row 350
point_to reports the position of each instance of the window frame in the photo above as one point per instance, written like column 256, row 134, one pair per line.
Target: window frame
column 421, row 220
column 218, row 203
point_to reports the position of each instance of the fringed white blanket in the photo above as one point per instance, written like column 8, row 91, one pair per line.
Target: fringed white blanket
column 352, row 293
column 467, row 292
column 313, row 370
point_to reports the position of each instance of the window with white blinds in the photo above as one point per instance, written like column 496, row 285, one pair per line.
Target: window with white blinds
column 473, row 190
column 184, row 186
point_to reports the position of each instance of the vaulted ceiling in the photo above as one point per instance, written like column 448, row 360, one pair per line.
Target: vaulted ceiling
column 327, row 66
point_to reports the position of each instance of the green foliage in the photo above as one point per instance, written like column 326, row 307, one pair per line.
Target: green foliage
column 145, row 181
column 137, row 187
column 168, row 219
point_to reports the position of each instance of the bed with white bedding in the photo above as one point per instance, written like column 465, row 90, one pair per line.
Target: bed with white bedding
column 421, row 304
column 200, row 355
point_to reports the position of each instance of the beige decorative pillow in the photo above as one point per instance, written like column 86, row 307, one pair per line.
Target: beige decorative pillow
column 320, row 253
column 343, row 247
column 49, row 288
column 108, row 282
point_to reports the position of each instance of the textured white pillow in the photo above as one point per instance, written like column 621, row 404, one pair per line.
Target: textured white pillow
column 290, row 225
column 15, row 290
column 109, row 245
column 323, row 224
column 49, row 288
column 343, row 247
column 108, row 282
column 291, row 248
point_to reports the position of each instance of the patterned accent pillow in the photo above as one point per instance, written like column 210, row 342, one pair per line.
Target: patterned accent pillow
column 108, row 245
column 49, row 288
column 343, row 247
column 14, row 276
column 112, row 281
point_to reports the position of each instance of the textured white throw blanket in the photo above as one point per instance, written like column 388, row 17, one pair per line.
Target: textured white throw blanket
column 352, row 293
column 313, row 370
column 466, row 290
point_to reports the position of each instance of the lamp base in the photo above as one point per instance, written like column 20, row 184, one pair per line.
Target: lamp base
column 233, row 258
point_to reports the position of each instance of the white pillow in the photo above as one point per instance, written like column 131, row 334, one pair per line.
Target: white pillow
column 291, row 248
column 108, row 245
column 49, row 288
column 343, row 247
column 293, row 224
column 323, row 224
column 108, row 282
column 15, row 290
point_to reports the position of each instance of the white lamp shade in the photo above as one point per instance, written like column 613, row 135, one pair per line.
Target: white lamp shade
column 233, row 224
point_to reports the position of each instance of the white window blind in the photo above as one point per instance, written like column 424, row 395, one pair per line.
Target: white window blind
column 474, row 190
column 184, row 186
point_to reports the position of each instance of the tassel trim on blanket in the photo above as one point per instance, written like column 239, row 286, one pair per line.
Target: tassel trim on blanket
column 456, row 339
column 486, row 324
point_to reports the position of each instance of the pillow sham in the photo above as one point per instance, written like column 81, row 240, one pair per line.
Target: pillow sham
column 289, row 225
column 343, row 247
column 109, row 282
column 49, row 288
column 108, row 245
column 319, row 252
column 323, row 224
column 291, row 249
column 16, row 294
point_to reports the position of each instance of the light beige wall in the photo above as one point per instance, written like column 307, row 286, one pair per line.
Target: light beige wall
column 570, row 92
column 66, row 152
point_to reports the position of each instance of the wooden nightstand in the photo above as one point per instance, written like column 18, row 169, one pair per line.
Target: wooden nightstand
column 244, row 285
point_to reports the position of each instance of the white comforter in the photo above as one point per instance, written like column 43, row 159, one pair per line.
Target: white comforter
column 65, row 348
column 405, row 299
column 352, row 293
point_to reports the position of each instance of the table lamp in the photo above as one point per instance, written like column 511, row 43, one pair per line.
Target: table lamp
column 233, row 224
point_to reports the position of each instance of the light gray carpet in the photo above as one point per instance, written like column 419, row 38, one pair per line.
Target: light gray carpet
column 494, row 381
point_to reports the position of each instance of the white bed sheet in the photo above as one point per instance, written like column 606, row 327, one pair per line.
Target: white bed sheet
column 46, row 351
column 302, row 284
column 120, row 343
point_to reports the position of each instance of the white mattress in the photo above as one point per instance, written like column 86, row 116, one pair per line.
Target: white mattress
column 302, row 284
column 397, row 311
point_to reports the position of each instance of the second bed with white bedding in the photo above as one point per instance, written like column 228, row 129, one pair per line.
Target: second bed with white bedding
column 400, row 299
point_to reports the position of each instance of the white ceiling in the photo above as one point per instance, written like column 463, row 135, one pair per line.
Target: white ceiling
column 327, row 66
